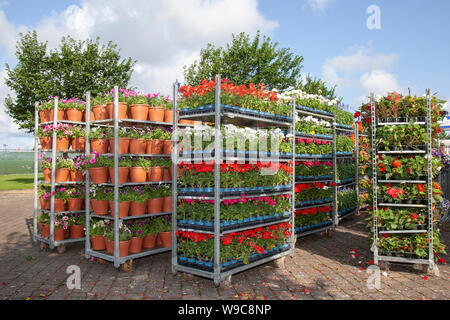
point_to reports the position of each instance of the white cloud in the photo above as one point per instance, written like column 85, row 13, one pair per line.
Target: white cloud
column 320, row 6
column 163, row 35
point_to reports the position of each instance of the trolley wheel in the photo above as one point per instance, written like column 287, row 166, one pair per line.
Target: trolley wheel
column 61, row 249
column 279, row 263
column 43, row 246
column 174, row 271
column 431, row 269
column 127, row 266
column 101, row 261
column 384, row 265
column 329, row 233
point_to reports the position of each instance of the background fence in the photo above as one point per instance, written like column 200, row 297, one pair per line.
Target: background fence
column 16, row 162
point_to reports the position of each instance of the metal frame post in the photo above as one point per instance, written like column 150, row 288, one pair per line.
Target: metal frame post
column 36, row 169
column 116, row 179
column 174, row 177
column 292, row 130
column 357, row 165
column 217, row 159
column 374, row 178
column 335, row 196
column 52, row 198
column 87, row 177
column 430, row 181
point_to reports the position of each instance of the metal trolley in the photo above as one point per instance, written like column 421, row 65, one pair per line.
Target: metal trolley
column 219, row 116
column 383, row 258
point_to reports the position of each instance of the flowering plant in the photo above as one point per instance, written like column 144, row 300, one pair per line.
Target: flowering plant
column 311, row 216
column 77, row 219
column 124, row 232
column 137, row 228
column 313, row 147
column 312, row 125
column 316, row 190
column 313, row 168
column 347, row 199
column 72, row 103
column 97, row 227
column 62, row 222
column 98, row 133
column 96, row 160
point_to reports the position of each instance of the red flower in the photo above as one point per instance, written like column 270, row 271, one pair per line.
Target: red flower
column 369, row 121
column 420, row 187
column 357, row 115
column 441, row 260
column 414, row 216
column 397, row 164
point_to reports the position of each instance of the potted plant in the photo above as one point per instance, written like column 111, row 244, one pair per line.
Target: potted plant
column 139, row 107
column 43, row 221
column 138, row 197
column 61, row 225
column 51, row 110
column 46, row 165
column 167, row 138
column 63, row 165
column 124, row 168
column 63, row 136
column 99, row 107
column 137, row 238
column 77, row 169
column 124, row 140
column 155, row 199
column 45, row 135
column 74, row 109
column 97, row 234
column 166, row 193
column 44, row 196
column 61, row 195
column 76, row 196
column 168, row 110
column 123, row 103
column 123, row 200
column 164, row 224
column 98, row 140
column 99, row 200
column 139, row 169
column 44, row 111
column 98, row 170
column 77, row 222
column 154, row 141
column 155, row 172
column 137, row 141
column 156, row 110
column 150, row 232
column 78, row 138
column 124, row 239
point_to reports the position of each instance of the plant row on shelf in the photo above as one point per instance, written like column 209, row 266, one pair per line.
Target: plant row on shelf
column 312, row 125
column 410, row 167
column 312, row 217
column 310, row 170
column 391, row 219
column 237, row 248
column 345, row 171
column 347, row 200
column 408, row 193
column 66, row 226
column 313, row 191
column 134, row 236
column 66, row 198
column 68, row 137
column 132, row 105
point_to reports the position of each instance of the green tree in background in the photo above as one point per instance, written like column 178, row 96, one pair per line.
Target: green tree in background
column 68, row 71
column 247, row 61
column 317, row 86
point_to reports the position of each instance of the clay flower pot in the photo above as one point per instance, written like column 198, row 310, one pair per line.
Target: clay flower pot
column 109, row 246
column 59, row 205
column 168, row 147
column 99, row 145
column 137, row 208
column 92, row 116
column 45, row 204
column 100, row 207
column 76, row 231
column 45, row 230
column 62, row 144
column 124, row 247
column 60, row 115
column 155, row 205
column 138, row 146
column 155, row 174
column 166, row 175
column 98, row 243
column 166, row 238
column 167, row 204
column 76, row 176
column 61, row 175
column 168, row 115
column 123, row 174
column 47, row 174
column 156, row 114
column 136, row 244
column 99, row 175
column 74, row 204
column 138, row 174
column 124, row 207
column 158, row 240
column 100, row 113
column 149, row 241
column 46, row 143
column 43, row 116
column 78, row 143
column 155, row 146
column 124, row 144
column 139, row 111
column 59, row 234
column 74, row 115
column 123, row 107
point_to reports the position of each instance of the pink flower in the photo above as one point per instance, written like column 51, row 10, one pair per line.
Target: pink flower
column 92, row 160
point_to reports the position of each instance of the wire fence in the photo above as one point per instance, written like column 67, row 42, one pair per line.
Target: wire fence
column 16, row 162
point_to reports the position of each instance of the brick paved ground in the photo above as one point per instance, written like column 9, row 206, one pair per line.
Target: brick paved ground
column 323, row 268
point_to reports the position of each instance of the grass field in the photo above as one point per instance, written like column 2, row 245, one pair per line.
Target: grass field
column 17, row 181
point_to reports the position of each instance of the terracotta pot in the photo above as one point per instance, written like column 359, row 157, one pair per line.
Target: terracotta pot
column 138, row 174
column 109, row 246
column 155, row 205
column 170, row 172
column 99, row 175
column 167, row 204
column 166, row 175
column 45, row 204
column 62, row 144
column 158, row 240
column 92, row 116
column 43, row 116
column 123, row 107
column 155, row 146
column 124, row 247
column 100, row 113
column 124, row 207
column 184, row 121
column 78, row 143
column 76, row 175
column 166, row 238
column 61, row 175
column 76, row 231
column 74, row 204
column 98, row 243
column 100, row 207
column 60, row 115
column 66, row 233
column 197, row 123
column 168, row 147
column 149, row 241
column 46, row 143
column 136, row 244
column 124, row 144
column 59, row 234
column 74, row 115
column 155, row 174
column 45, row 230
column 168, row 115
column 99, row 145
column 138, row 146
column 60, row 205
column 47, row 174
column 123, row 174
column 137, row 208
column 156, row 114
column 139, row 111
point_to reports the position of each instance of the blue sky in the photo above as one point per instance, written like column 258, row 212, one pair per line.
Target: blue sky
column 409, row 51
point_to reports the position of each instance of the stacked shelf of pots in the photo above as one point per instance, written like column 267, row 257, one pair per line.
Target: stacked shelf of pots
column 234, row 207
column 363, row 163
column 403, row 132
column 59, row 204
column 129, row 176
